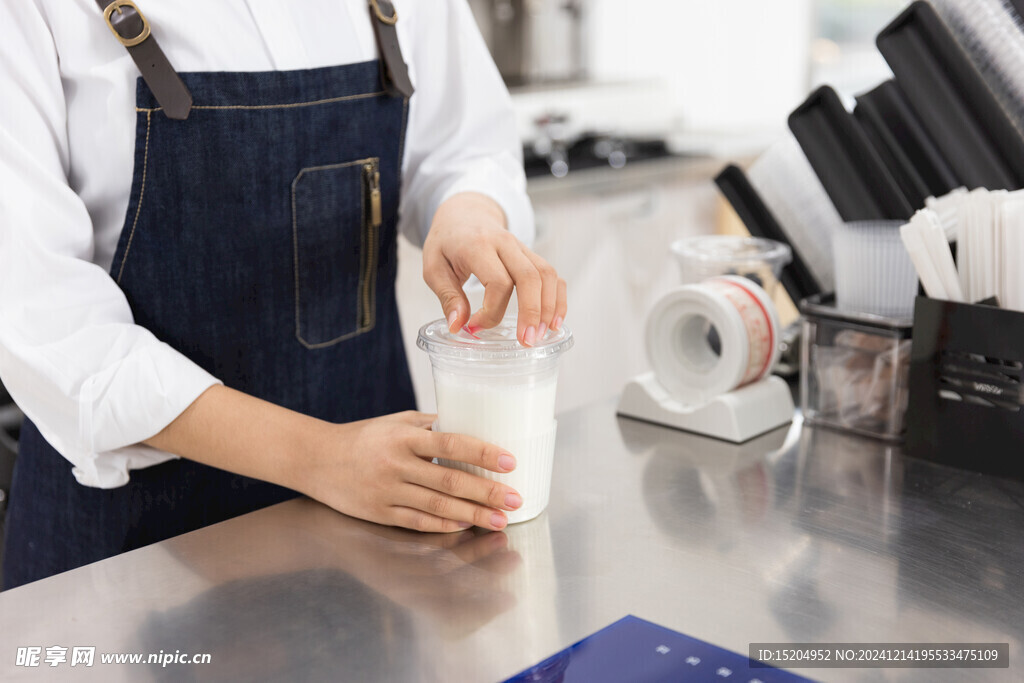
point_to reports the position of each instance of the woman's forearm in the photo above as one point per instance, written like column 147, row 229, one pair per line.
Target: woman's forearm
column 233, row 431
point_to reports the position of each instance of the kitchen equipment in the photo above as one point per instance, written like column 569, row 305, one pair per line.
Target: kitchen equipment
column 712, row 347
column 795, row 277
column 490, row 387
column 534, row 41
column 952, row 100
column 633, row 649
column 854, row 369
column 785, row 180
column 852, row 173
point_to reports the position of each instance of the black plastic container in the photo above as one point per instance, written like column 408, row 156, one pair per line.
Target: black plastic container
column 965, row 387
column 850, row 169
column 956, row 106
column 904, row 144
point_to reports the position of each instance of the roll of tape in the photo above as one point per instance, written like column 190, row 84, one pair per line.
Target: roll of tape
column 707, row 339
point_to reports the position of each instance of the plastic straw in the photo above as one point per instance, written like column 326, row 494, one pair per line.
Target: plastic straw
column 914, row 242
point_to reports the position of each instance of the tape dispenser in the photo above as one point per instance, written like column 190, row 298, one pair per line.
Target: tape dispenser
column 712, row 347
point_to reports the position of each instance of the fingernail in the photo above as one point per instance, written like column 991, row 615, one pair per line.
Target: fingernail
column 464, row 525
column 556, row 325
column 498, row 520
column 506, row 462
column 512, row 500
column 530, row 336
column 542, row 331
column 451, row 320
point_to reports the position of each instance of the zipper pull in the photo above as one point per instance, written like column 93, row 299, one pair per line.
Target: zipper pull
column 376, row 217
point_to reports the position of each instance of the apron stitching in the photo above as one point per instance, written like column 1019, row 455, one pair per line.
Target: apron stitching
column 295, row 258
column 330, row 167
column 138, row 207
column 289, row 105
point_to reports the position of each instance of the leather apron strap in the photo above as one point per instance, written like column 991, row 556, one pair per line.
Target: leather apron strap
column 394, row 71
column 130, row 27
column 132, row 30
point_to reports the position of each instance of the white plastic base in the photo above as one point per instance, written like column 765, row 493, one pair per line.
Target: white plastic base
column 737, row 416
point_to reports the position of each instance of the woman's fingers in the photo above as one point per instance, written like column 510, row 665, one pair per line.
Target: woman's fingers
column 463, row 449
column 529, row 290
column 442, row 279
column 498, row 285
column 419, row 520
column 537, row 286
column 561, row 306
column 460, row 484
column 449, row 493
column 444, row 506
column 549, row 293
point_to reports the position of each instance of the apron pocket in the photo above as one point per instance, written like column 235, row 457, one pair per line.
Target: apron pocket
column 335, row 219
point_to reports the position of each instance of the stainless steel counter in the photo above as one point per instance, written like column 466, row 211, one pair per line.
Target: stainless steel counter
column 801, row 535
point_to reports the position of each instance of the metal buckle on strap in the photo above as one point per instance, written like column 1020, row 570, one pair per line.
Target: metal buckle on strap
column 390, row 21
column 117, row 5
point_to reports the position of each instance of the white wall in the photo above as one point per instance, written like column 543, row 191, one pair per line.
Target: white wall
column 730, row 64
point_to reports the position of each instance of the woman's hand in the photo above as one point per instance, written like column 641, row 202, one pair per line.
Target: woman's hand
column 380, row 470
column 468, row 236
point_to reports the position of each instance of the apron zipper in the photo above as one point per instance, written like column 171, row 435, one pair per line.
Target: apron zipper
column 371, row 176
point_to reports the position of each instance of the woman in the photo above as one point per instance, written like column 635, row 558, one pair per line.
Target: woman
column 202, row 265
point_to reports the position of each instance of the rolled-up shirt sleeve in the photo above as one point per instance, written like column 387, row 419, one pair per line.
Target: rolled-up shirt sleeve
column 462, row 132
column 94, row 383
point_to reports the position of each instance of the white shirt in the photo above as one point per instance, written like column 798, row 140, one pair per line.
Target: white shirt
column 94, row 383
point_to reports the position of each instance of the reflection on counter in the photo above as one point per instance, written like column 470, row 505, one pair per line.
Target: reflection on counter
column 834, row 530
column 530, row 623
column 363, row 580
column 699, row 490
column 962, row 577
column 849, row 486
column 232, row 620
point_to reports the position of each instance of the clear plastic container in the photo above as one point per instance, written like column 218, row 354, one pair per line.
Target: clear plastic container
column 756, row 258
column 490, row 387
column 854, row 369
column 874, row 273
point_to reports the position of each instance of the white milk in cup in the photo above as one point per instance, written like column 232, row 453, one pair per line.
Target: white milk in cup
column 491, row 387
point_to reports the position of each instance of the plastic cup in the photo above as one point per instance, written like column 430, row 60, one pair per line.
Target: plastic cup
column 755, row 258
column 490, row 387
column 874, row 273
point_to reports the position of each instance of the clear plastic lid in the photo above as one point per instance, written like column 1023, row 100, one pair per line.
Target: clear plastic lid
column 495, row 344
column 733, row 250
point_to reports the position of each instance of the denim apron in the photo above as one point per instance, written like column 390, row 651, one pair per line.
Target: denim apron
column 260, row 242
